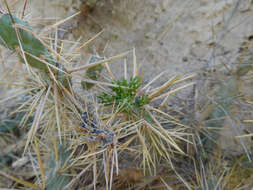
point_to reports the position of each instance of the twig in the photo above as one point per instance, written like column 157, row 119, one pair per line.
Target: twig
column 23, row 12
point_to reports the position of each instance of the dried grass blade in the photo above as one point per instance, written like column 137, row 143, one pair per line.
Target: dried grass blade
column 102, row 83
column 22, row 50
column 42, row 171
column 14, row 96
column 36, row 121
column 94, row 167
column 32, row 107
column 146, row 156
column 109, row 71
column 158, row 91
column 135, row 71
column 56, row 97
column 153, row 80
column 44, row 44
column 43, row 61
column 186, row 78
column 25, row 183
column 125, row 69
column 89, row 41
column 99, row 62
column 68, row 186
column 56, row 150
column 59, row 23
column 163, row 133
column 111, row 159
column 171, row 92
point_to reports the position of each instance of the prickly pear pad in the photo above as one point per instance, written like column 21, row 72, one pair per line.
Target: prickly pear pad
column 30, row 44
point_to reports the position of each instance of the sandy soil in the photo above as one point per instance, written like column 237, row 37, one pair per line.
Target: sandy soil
column 176, row 36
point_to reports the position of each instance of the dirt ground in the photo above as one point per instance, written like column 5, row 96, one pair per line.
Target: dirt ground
column 176, row 36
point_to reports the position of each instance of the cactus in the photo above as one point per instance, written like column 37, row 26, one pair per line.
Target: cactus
column 30, row 44
column 11, row 125
column 35, row 51
column 56, row 180
column 93, row 72
column 216, row 118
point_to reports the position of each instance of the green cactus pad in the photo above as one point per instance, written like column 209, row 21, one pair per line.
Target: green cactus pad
column 56, row 179
column 93, row 72
column 30, row 44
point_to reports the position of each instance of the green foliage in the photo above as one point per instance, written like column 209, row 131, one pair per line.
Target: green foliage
column 57, row 180
column 92, row 73
column 30, row 44
column 125, row 96
column 8, row 126
column 12, row 125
